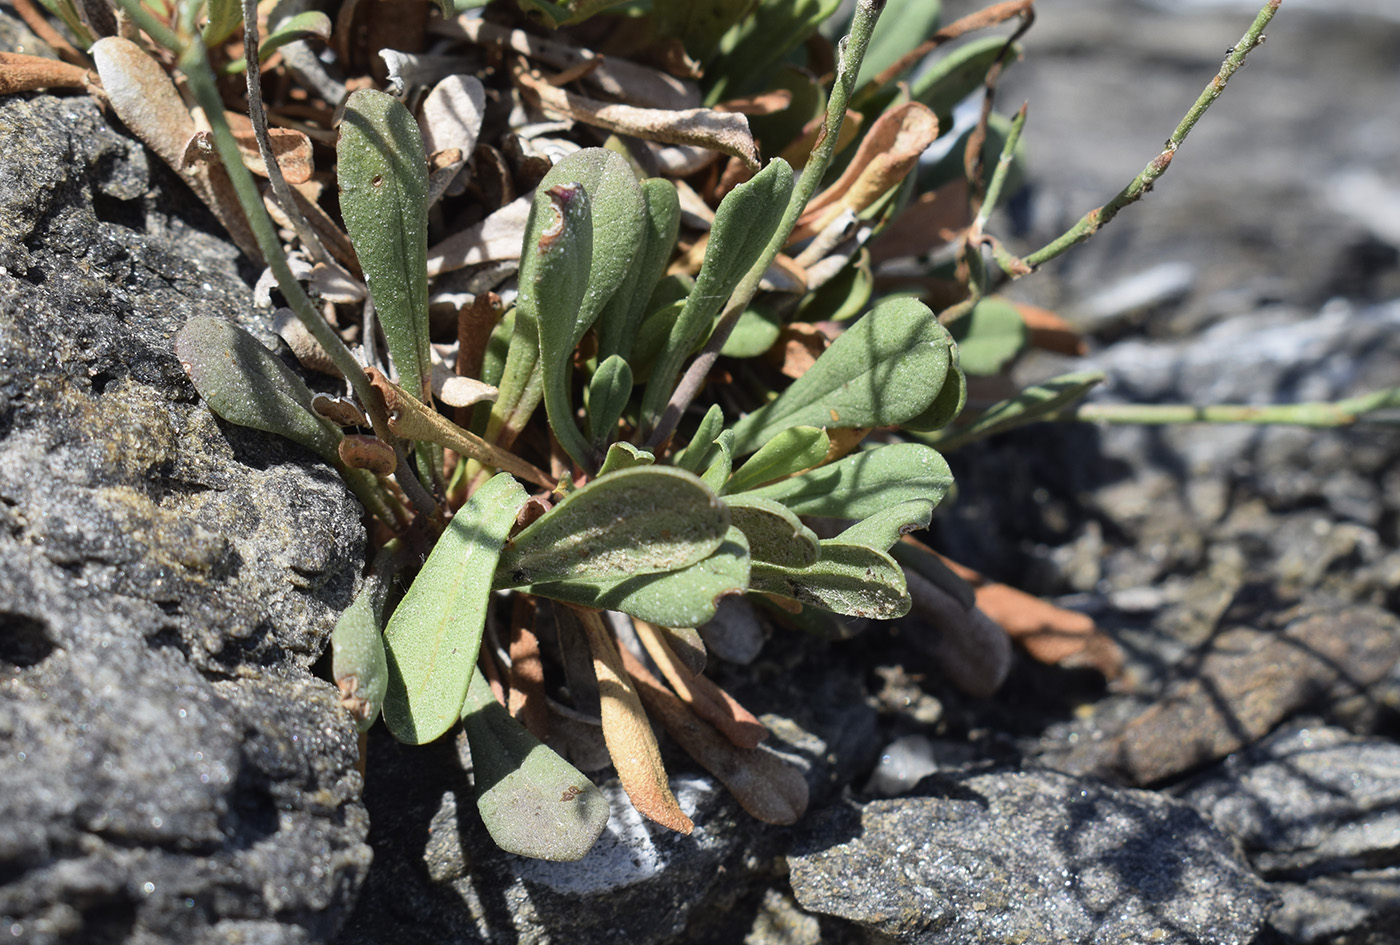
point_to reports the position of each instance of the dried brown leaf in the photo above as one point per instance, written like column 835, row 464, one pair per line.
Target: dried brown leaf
column 498, row 237
column 628, row 733
column 727, row 133
column 887, row 153
column 770, row 787
column 700, row 693
column 22, row 73
column 1050, row 332
column 526, row 700
column 930, row 222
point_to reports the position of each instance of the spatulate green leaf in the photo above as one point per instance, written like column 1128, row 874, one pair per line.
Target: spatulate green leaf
column 435, row 633
column 774, row 533
column 887, row 367
column 533, row 802
column 383, row 175
column 624, row 455
column 684, row 598
column 246, row 384
column 791, row 451
column 721, row 462
column 865, row 483
column 621, row 319
column 358, row 664
column 632, row 522
column 853, row 580
column 608, row 392
column 693, row 457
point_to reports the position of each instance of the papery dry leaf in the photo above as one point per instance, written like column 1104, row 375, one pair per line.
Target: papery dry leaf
column 765, row 103
column 359, row 451
column 699, row 692
column 22, row 73
column 799, row 345
column 784, row 275
column 146, row 101
column 291, row 150
column 799, row 150
column 771, row 788
column 307, row 349
column 727, row 133
column 499, row 236
column 456, row 391
column 628, row 733
column 930, row 222
column 452, row 114
column 618, row 78
column 1050, row 332
column 887, row 153
column 1048, row 633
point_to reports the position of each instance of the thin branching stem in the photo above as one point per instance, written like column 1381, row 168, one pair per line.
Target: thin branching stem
column 1094, row 220
column 257, row 114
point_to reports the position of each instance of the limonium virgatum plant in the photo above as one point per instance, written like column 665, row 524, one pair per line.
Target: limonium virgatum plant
column 736, row 403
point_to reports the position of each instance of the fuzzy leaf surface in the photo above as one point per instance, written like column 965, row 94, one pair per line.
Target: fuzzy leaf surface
column 865, row 483
column 887, row 367
column 989, row 336
column 435, row 633
column 533, row 802
column 684, row 598
column 853, row 580
column 884, row 528
column 632, row 522
column 383, row 175
column 246, row 384
column 774, row 533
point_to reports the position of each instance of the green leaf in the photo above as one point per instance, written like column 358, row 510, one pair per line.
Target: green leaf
column 533, row 802
column 884, row 528
column 697, row 451
column 608, row 392
column 225, row 16
column 774, row 533
column 623, row 455
column 902, row 26
column 684, row 598
column 865, row 483
column 584, row 228
column 848, row 579
column 946, row 406
column 887, row 367
column 301, row 26
column 788, row 453
column 743, row 226
column 554, row 272
column 759, row 43
column 1029, row 405
column 435, row 633
column 246, row 384
column 621, row 319
column 358, row 664
column 637, row 521
column 957, row 75
column 756, row 330
column 383, row 175
column 717, row 474
column 845, row 296
column 989, row 336
column 699, row 23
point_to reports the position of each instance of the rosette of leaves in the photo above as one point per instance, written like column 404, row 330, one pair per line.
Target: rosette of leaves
column 610, row 475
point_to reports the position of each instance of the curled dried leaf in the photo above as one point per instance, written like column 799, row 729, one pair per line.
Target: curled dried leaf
column 700, row 693
column 727, row 133
column 359, row 451
column 21, row 73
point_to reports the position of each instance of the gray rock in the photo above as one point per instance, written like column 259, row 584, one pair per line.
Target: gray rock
column 1029, row 856
column 1317, row 809
column 170, row 771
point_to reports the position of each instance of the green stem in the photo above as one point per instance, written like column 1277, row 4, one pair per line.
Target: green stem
column 1092, row 221
column 151, row 25
column 1318, row 414
column 1003, row 170
column 851, row 52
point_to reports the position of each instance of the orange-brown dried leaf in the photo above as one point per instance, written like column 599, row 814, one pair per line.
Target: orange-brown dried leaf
column 22, row 73
column 797, row 349
column 932, row 221
column 700, row 693
column 1050, row 634
column 768, row 786
column 526, row 700
column 1050, row 332
column 887, row 153
column 631, row 742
